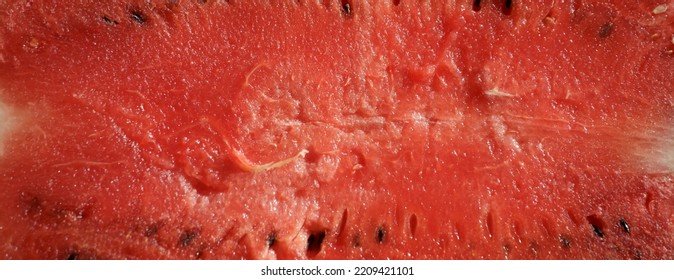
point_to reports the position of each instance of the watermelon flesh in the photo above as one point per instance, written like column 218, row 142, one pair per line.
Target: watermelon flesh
column 352, row 129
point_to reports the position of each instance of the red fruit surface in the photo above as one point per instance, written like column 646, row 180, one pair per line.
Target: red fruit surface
column 352, row 129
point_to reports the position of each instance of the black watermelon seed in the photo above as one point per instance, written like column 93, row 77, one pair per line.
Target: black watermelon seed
column 271, row 239
column 566, row 243
column 381, row 234
column 73, row 255
column 624, row 225
column 109, row 21
column 315, row 242
column 346, row 8
column 187, row 237
column 597, row 225
column 598, row 231
column 138, row 17
column 605, row 30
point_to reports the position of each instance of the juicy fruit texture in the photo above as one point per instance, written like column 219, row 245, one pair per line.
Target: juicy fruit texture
column 337, row 129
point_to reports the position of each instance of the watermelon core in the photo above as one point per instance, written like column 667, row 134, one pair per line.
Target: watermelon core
column 336, row 129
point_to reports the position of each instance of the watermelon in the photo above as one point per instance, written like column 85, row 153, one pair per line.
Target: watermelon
column 351, row 129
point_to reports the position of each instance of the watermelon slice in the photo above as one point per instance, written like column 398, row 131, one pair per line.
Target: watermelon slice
column 351, row 129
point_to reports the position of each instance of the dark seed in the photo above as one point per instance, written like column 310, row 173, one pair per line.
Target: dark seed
column 315, row 242
column 356, row 241
column 108, row 20
column 605, row 30
column 151, row 230
column 73, row 256
column 346, row 8
column 271, row 239
column 381, row 233
column 566, row 243
column 598, row 231
column 138, row 17
column 187, row 237
column 624, row 225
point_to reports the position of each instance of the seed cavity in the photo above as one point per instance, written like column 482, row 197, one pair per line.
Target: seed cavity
column 649, row 201
column 355, row 241
column 517, row 230
column 477, row 5
column 314, row 243
column 573, row 217
column 312, row 156
column 342, row 223
column 549, row 19
column 413, row 224
column 597, row 225
column 598, row 231
column 547, row 227
column 490, row 224
column 507, row 7
column 396, row 2
column 660, row 9
column 360, row 161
